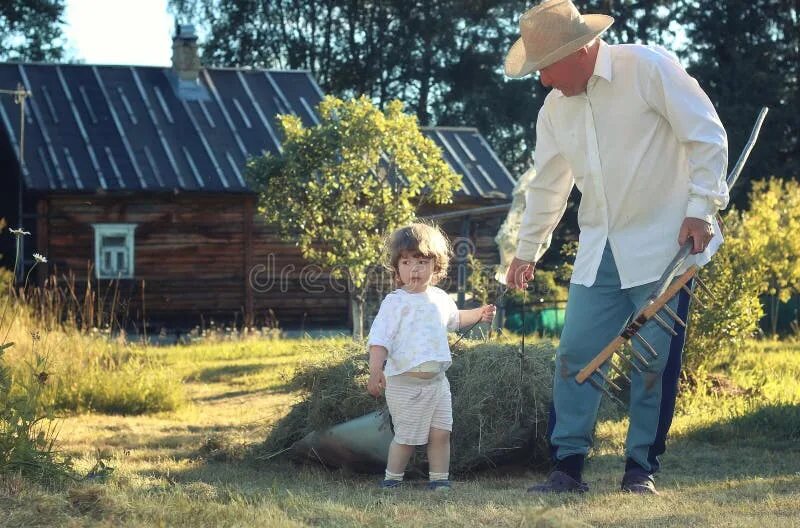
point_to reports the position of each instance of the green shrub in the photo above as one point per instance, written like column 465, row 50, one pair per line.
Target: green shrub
column 730, row 315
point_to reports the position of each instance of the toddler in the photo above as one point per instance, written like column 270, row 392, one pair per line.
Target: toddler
column 409, row 336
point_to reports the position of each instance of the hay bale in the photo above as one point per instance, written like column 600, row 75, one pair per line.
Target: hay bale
column 500, row 401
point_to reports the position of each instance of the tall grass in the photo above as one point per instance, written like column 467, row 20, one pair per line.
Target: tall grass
column 90, row 371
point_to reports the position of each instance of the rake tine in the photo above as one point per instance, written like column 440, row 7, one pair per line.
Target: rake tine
column 608, row 380
column 619, row 371
column 704, row 287
column 629, row 362
column 638, row 356
column 604, row 390
column 693, row 296
column 675, row 317
column 663, row 324
column 647, row 345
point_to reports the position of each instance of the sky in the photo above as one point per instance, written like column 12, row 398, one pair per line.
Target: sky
column 130, row 32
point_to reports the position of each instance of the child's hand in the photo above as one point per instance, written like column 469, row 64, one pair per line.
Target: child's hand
column 376, row 383
column 487, row 313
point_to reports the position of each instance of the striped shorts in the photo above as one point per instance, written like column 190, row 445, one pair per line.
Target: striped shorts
column 416, row 405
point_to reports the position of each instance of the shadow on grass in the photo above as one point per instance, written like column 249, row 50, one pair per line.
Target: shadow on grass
column 226, row 373
column 765, row 426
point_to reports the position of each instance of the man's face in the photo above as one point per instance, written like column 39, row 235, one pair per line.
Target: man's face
column 567, row 75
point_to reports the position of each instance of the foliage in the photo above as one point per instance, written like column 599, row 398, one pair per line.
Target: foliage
column 772, row 231
column 30, row 30
column 26, row 432
column 730, row 315
column 759, row 256
column 91, row 372
column 341, row 185
column 479, row 279
column 746, row 54
column 444, row 59
column 441, row 58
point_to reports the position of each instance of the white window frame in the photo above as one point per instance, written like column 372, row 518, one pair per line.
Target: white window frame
column 114, row 230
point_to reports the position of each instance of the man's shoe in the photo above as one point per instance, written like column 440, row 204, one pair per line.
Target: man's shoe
column 559, row 482
column 639, row 481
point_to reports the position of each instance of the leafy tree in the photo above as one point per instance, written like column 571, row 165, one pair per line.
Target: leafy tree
column 759, row 256
column 444, row 59
column 772, row 238
column 30, row 30
column 730, row 315
column 746, row 54
column 341, row 185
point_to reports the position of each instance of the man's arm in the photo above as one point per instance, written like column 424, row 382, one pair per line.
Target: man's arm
column 673, row 93
column 545, row 202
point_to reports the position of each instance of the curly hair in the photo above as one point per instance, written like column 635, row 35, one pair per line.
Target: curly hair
column 421, row 238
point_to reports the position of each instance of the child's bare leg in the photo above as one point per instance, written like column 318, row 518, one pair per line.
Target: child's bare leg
column 439, row 453
column 399, row 455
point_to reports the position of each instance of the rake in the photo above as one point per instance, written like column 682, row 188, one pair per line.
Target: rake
column 668, row 285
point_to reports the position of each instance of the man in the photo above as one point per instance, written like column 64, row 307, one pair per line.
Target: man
column 635, row 133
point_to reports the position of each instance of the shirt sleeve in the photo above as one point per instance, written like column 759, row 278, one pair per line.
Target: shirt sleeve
column 674, row 94
column 546, row 195
column 454, row 317
column 386, row 324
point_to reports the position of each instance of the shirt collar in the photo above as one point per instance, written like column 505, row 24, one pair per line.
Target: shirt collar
column 602, row 66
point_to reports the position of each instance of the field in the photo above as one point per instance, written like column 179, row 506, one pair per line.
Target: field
column 733, row 460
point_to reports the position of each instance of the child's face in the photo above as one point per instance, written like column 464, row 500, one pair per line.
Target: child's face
column 415, row 270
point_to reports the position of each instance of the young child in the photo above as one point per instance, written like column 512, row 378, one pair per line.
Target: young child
column 409, row 334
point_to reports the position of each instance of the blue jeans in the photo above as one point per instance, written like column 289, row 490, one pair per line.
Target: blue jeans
column 595, row 315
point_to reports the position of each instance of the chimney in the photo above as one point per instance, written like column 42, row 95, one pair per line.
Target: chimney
column 185, row 60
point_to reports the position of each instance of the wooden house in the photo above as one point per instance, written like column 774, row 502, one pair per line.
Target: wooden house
column 135, row 175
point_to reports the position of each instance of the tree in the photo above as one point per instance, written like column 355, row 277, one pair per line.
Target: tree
column 30, row 30
column 341, row 185
column 444, row 59
column 772, row 237
column 746, row 54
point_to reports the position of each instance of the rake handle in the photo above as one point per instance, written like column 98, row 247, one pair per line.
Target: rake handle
column 641, row 318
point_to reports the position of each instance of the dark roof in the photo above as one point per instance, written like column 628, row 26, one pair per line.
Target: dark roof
column 466, row 150
column 136, row 128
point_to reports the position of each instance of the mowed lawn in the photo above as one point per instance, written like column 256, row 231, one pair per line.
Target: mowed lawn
column 733, row 460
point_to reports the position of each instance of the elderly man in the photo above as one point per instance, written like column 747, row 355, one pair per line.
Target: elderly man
column 642, row 142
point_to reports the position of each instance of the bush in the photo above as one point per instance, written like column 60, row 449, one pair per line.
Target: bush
column 759, row 256
column 730, row 315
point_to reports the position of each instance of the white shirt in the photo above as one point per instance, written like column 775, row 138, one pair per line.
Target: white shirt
column 413, row 328
column 646, row 149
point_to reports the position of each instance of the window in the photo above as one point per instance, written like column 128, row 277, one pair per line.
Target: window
column 113, row 251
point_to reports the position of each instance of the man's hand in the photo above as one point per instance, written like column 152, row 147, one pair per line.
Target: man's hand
column 519, row 273
column 376, row 383
column 701, row 232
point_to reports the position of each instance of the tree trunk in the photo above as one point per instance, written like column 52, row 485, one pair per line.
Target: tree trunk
column 773, row 316
column 356, row 311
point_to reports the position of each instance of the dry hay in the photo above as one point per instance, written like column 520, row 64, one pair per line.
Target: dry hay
column 501, row 398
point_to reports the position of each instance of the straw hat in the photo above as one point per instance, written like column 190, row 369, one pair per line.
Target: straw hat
column 551, row 31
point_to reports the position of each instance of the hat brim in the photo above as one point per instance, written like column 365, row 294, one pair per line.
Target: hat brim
column 517, row 64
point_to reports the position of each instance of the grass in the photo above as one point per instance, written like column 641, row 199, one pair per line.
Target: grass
column 733, row 460
column 87, row 371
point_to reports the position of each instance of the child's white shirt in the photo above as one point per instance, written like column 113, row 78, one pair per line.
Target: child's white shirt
column 413, row 328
